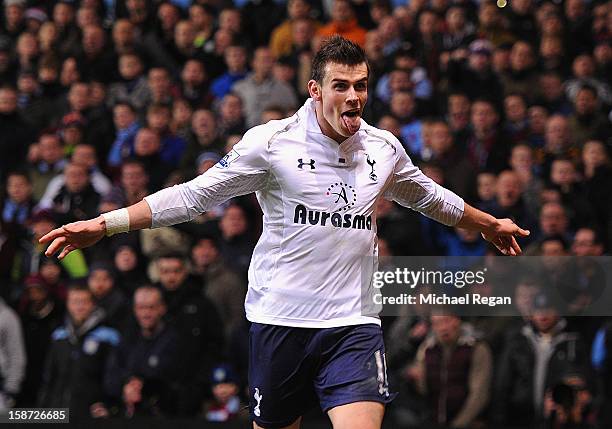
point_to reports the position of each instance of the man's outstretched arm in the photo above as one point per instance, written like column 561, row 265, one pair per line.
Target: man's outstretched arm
column 242, row 171
column 411, row 188
column 78, row 235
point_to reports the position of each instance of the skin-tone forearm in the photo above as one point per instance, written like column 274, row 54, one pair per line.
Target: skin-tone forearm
column 476, row 220
column 140, row 216
column 78, row 235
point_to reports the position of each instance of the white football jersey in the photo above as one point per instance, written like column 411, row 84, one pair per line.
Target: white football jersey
column 318, row 246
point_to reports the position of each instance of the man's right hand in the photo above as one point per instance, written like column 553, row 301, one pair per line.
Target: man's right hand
column 132, row 391
column 76, row 235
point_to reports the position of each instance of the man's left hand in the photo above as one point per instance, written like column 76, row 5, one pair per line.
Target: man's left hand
column 503, row 236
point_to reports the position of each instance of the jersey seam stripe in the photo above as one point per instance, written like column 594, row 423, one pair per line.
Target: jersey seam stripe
column 271, row 176
column 372, row 134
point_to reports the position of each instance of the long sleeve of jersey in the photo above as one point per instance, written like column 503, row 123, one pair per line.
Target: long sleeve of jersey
column 411, row 188
column 242, row 171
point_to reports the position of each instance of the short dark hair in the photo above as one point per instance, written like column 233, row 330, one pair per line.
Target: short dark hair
column 79, row 285
column 151, row 288
column 338, row 50
column 587, row 87
column 173, row 254
column 125, row 103
column 21, row 172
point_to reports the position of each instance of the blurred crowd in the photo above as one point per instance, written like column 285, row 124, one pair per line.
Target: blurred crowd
column 103, row 102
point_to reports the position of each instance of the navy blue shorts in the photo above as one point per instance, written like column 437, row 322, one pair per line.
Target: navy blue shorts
column 291, row 369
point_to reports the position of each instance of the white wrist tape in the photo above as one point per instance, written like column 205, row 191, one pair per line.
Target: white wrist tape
column 117, row 221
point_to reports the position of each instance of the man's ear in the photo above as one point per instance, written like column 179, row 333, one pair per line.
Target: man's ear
column 314, row 90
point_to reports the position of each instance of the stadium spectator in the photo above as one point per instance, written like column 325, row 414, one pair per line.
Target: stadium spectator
column 537, row 358
column 260, row 89
column 487, row 146
column 458, row 116
column 236, row 241
column 172, row 146
column 12, row 356
column 214, row 50
column 125, row 40
column 126, row 126
column 231, row 116
column 235, row 57
column 522, row 163
column 407, row 75
column 147, row 150
column 85, row 155
column 108, row 297
column 222, row 286
column 18, row 204
column 14, row 22
column 564, row 177
column 95, row 60
column 508, row 200
column 161, row 88
column 538, row 116
column 159, row 40
column 139, row 14
column 343, row 22
column 31, row 100
column 199, row 328
column 588, row 122
column 79, row 351
column 515, row 112
column 597, row 176
column 458, row 171
column 76, row 199
column 225, row 388
column 471, row 73
column 403, row 107
column 521, row 19
column 181, row 118
column 194, row 83
column 132, row 186
column 521, row 77
column 15, row 132
column 202, row 16
column 142, row 370
column 41, row 313
column 551, row 94
column 587, row 242
column 453, row 370
column 583, row 71
column 204, row 137
column 486, row 187
column 132, row 88
column 282, row 36
column 129, row 267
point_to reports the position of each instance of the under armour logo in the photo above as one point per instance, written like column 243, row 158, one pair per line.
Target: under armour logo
column 258, row 397
column 371, row 163
column 301, row 164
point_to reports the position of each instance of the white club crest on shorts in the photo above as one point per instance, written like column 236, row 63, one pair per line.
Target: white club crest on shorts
column 258, row 397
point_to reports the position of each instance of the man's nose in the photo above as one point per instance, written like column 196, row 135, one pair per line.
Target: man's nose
column 351, row 95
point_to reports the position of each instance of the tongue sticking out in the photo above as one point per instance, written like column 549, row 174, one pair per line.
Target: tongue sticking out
column 351, row 123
